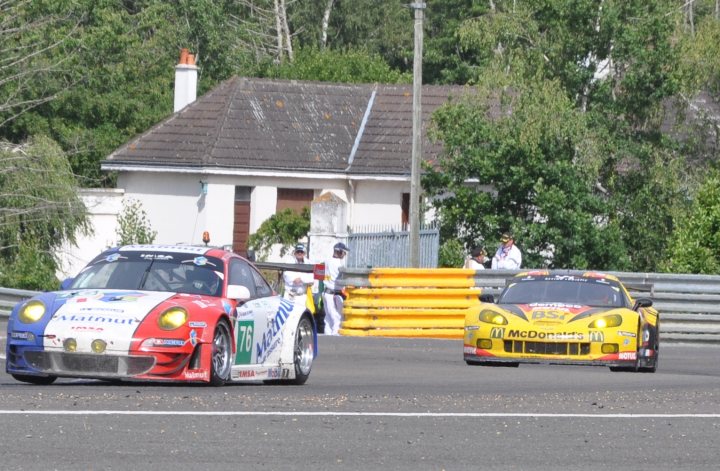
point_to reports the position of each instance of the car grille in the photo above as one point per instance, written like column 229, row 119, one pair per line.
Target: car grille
column 89, row 365
column 547, row 348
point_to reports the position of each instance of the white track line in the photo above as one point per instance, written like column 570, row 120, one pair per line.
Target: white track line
column 361, row 414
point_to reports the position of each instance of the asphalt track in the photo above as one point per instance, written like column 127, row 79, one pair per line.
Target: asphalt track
column 373, row 403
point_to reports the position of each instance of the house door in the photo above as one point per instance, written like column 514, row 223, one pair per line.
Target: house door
column 241, row 223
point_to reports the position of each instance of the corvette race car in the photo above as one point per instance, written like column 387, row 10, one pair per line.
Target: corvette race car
column 564, row 318
column 173, row 313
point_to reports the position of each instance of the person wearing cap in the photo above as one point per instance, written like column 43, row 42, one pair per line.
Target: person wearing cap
column 295, row 282
column 333, row 296
column 478, row 258
column 508, row 256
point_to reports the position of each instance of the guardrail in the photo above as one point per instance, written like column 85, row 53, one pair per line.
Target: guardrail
column 9, row 297
column 407, row 302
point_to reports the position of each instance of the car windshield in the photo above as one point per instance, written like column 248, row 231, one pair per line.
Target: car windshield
column 153, row 271
column 577, row 292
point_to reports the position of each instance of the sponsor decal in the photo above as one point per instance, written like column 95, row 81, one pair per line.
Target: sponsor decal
column 560, row 305
column 200, row 261
column 112, row 257
column 22, row 336
column 268, row 342
column 100, row 309
column 86, row 328
column 470, row 350
column 168, row 342
column 497, row 332
column 193, row 338
column 96, row 319
column 246, row 374
column 597, row 336
column 196, row 375
column 197, row 324
column 625, row 333
column 532, row 334
column 227, row 307
column 278, row 373
column 471, row 327
column 156, row 256
column 627, row 355
column 540, row 314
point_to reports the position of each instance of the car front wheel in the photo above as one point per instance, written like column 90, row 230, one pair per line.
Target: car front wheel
column 221, row 355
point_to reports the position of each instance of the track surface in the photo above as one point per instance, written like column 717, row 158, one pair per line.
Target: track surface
column 376, row 403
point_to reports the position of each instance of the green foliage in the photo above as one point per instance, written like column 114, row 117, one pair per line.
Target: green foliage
column 351, row 66
column 451, row 254
column 695, row 246
column 39, row 211
column 133, row 224
column 285, row 227
column 32, row 268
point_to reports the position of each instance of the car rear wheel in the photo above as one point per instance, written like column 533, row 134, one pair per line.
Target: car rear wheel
column 32, row 379
column 304, row 351
column 221, row 355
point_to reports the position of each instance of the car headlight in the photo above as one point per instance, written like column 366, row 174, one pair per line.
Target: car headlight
column 31, row 312
column 172, row 318
column 492, row 317
column 607, row 321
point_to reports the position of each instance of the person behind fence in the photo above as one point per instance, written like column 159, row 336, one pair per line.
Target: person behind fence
column 508, row 256
column 296, row 283
column 477, row 259
column 333, row 296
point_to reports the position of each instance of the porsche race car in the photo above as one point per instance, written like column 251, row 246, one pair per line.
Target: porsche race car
column 567, row 317
column 171, row 313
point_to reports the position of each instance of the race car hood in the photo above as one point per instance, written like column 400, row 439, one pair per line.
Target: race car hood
column 87, row 314
column 551, row 314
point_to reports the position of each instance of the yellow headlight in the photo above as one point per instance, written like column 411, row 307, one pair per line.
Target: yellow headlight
column 31, row 312
column 70, row 345
column 172, row 318
column 492, row 317
column 607, row 321
column 98, row 345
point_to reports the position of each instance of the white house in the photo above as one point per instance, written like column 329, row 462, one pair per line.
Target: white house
column 227, row 161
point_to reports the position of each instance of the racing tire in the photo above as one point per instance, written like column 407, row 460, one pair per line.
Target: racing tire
column 656, row 346
column 303, row 353
column 32, row 379
column 221, row 357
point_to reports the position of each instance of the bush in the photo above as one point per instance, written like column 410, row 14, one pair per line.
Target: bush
column 452, row 254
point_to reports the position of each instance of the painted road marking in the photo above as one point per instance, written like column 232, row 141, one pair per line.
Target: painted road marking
column 361, row 414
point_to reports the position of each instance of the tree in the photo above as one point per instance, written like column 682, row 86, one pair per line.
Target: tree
column 284, row 228
column 695, row 246
column 133, row 224
column 39, row 210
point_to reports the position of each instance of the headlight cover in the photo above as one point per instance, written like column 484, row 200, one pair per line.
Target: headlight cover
column 492, row 317
column 606, row 321
column 172, row 318
column 31, row 312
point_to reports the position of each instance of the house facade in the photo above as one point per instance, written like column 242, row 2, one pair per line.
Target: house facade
column 227, row 161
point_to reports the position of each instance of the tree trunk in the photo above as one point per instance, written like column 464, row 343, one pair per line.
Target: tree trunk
column 286, row 31
column 326, row 23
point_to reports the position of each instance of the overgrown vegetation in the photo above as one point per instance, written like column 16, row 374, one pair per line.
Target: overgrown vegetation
column 285, row 228
column 133, row 224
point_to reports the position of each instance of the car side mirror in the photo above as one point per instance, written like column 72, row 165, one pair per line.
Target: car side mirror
column 487, row 298
column 66, row 283
column 642, row 302
column 238, row 292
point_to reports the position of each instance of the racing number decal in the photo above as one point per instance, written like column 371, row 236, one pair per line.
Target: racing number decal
column 244, row 342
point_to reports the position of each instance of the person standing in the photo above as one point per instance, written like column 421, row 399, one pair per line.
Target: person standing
column 478, row 258
column 332, row 296
column 508, row 256
column 296, row 283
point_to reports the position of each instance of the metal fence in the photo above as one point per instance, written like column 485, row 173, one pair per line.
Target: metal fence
column 387, row 247
column 689, row 305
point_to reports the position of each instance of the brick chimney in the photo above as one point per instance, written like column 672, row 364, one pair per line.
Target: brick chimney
column 185, row 80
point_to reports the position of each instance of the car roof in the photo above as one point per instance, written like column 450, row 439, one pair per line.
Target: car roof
column 567, row 275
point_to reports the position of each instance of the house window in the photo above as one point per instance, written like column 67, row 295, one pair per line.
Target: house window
column 294, row 199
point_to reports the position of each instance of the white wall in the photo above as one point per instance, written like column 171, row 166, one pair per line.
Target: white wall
column 378, row 203
column 103, row 208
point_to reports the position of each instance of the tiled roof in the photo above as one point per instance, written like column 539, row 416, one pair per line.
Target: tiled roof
column 251, row 124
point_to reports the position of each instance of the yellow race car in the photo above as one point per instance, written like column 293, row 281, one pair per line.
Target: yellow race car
column 564, row 317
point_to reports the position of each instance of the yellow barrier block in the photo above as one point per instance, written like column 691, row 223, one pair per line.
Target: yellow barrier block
column 458, row 303
column 455, row 334
column 412, row 292
column 436, row 277
column 403, row 322
column 417, row 312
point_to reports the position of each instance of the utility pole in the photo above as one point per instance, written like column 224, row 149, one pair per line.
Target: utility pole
column 417, row 138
